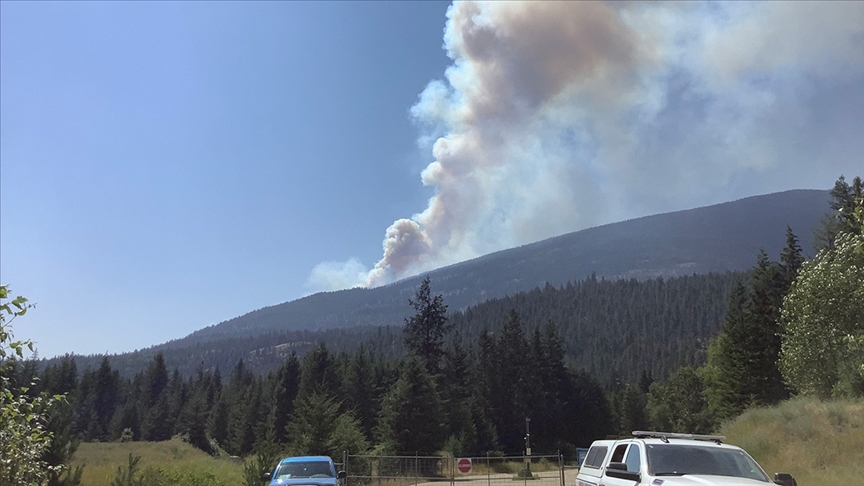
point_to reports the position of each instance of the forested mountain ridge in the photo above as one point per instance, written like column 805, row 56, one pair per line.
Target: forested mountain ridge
column 614, row 329
column 718, row 238
column 657, row 325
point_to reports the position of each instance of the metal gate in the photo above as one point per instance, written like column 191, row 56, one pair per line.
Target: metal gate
column 417, row 470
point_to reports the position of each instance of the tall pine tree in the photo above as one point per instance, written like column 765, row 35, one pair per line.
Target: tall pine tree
column 426, row 330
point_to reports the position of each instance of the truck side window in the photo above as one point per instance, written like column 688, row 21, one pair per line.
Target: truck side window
column 632, row 460
column 618, row 455
column 595, row 457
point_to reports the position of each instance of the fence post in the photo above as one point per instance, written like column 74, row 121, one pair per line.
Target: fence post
column 345, row 466
column 453, row 471
column 416, row 466
column 561, row 467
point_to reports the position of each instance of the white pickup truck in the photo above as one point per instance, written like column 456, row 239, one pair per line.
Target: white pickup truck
column 659, row 458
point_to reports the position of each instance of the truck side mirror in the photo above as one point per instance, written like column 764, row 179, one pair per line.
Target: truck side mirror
column 267, row 476
column 619, row 470
column 341, row 475
column 784, row 479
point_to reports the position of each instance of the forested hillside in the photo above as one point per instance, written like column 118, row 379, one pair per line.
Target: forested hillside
column 720, row 238
column 611, row 328
column 619, row 329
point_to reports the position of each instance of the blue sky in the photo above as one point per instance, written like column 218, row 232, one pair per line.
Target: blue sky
column 165, row 166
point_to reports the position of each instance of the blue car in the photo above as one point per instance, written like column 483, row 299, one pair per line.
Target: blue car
column 306, row 471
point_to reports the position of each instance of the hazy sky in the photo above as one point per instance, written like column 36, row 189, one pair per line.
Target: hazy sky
column 165, row 166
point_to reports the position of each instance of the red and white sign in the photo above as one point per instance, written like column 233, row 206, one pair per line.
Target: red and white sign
column 464, row 465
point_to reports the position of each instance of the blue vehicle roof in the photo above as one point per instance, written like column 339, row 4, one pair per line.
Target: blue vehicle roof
column 306, row 459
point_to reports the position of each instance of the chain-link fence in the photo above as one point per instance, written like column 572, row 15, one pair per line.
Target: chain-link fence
column 547, row 470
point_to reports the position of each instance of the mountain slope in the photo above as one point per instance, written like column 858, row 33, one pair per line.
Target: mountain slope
column 716, row 238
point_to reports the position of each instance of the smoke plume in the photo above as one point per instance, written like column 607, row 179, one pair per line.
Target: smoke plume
column 556, row 116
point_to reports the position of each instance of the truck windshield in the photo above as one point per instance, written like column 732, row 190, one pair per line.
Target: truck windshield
column 311, row 469
column 678, row 460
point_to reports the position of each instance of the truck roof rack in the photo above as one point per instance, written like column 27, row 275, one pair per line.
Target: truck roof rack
column 665, row 436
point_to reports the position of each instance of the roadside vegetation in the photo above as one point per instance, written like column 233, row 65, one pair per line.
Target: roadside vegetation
column 173, row 462
column 819, row 442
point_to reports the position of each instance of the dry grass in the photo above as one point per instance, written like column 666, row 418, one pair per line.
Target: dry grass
column 820, row 443
column 174, row 457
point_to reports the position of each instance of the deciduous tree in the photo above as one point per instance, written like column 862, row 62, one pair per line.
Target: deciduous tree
column 24, row 437
column 823, row 308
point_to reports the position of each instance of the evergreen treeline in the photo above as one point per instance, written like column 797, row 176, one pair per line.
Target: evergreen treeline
column 614, row 329
column 470, row 381
column 463, row 382
column 465, row 397
column 619, row 329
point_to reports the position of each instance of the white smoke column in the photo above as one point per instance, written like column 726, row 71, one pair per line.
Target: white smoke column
column 504, row 171
column 556, row 116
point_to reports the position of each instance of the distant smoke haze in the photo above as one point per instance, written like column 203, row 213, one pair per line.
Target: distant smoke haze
column 558, row 116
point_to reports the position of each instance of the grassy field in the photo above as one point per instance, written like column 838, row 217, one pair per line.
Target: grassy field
column 175, row 459
column 820, row 443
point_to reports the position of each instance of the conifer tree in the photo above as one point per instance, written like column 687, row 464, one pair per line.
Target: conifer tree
column 361, row 393
column 62, row 378
column 628, row 406
column 193, row 422
column 791, row 258
column 214, row 388
column 486, row 378
column 412, row 420
column 156, row 379
column 512, row 393
column 843, row 201
column 726, row 371
column 217, row 423
column 156, row 425
column 243, row 419
column 742, row 367
column 106, row 398
column 347, row 436
column 313, row 423
column 177, row 393
column 586, row 401
column 318, row 373
column 769, row 287
column 85, row 415
column 456, row 398
column 426, row 330
column 552, row 390
column 282, row 402
column 127, row 416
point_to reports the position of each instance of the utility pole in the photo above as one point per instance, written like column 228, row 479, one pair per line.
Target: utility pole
column 528, row 444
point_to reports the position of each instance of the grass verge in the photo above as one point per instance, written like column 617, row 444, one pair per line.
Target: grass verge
column 174, row 457
column 820, row 443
